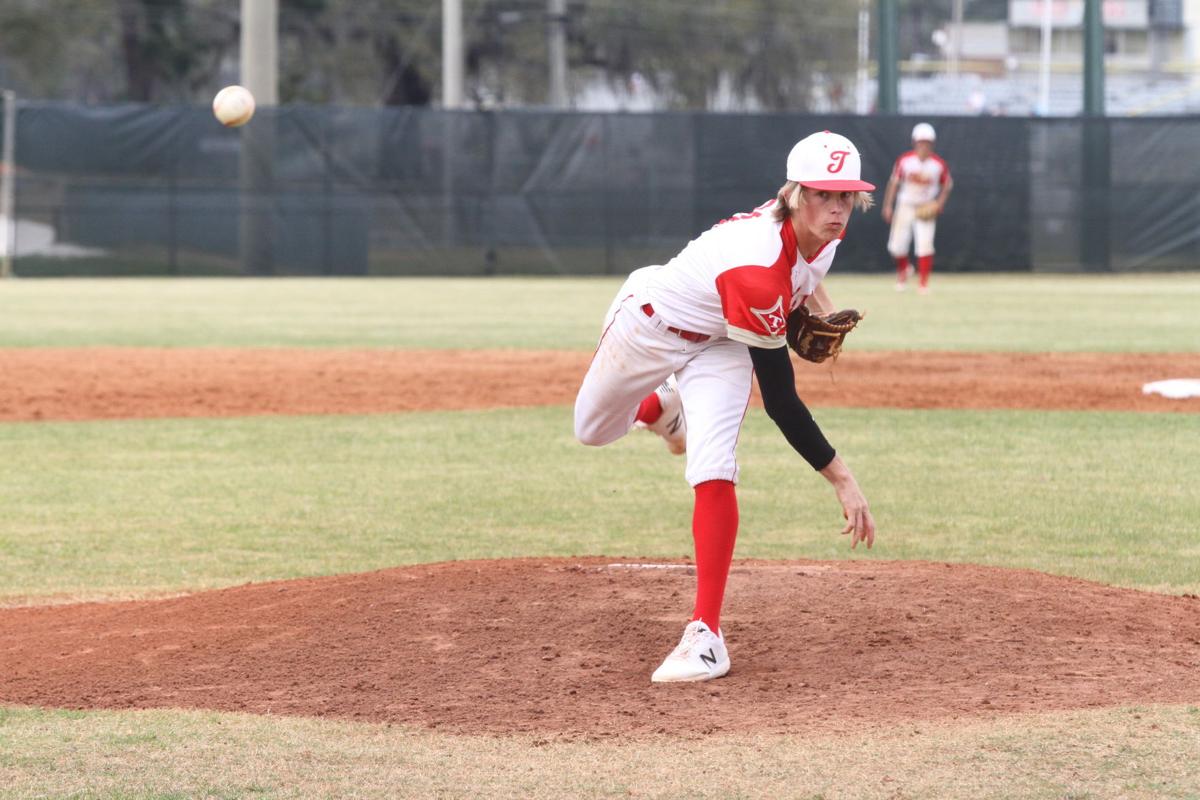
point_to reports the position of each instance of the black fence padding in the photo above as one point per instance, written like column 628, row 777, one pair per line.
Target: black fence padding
column 138, row 189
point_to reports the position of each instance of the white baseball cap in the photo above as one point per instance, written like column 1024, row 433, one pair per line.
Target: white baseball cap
column 828, row 162
column 923, row 132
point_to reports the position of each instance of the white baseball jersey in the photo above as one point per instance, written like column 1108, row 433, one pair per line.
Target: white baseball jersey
column 734, row 285
column 920, row 180
column 739, row 279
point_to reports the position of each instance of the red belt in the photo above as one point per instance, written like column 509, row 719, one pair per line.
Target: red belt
column 648, row 310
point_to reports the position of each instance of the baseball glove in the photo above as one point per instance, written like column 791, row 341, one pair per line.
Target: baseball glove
column 927, row 210
column 818, row 337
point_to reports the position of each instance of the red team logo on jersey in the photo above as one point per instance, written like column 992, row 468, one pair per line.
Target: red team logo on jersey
column 772, row 318
column 837, row 160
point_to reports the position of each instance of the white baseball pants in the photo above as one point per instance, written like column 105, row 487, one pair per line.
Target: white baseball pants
column 904, row 225
column 636, row 353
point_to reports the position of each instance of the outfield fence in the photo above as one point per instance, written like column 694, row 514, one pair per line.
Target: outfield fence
column 136, row 189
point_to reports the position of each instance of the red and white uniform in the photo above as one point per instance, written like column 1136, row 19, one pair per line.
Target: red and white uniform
column 739, row 279
column 730, row 287
column 921, row 180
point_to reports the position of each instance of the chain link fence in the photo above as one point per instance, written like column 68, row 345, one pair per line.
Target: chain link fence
column 152, row 190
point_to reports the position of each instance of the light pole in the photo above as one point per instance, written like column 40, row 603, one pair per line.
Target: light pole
column 1044, row 68
column 556, row 13
column 452, row 54
column 259, row 74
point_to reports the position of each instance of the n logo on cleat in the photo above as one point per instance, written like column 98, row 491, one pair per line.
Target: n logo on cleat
column 709, row 658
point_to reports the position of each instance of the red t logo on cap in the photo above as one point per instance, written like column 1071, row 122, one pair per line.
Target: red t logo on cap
column 837, row 160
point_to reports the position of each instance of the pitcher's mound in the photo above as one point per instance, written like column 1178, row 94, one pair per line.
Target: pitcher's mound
column 566, row 647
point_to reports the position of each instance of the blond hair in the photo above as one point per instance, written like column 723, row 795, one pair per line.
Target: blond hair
column 791, row 195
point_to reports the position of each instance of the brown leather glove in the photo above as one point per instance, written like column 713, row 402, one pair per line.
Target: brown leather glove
column 816, row 338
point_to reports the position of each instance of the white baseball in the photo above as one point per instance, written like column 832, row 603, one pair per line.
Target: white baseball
column 233, row 106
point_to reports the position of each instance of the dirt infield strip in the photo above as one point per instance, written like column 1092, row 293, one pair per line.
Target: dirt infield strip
column 105, row 383
column 565, row 647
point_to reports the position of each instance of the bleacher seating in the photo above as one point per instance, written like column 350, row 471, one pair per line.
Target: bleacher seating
column 1018, row 95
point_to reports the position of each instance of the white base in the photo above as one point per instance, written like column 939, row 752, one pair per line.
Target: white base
column 1176, row 388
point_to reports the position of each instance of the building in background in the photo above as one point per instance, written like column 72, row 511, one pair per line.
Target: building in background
column 997, row 65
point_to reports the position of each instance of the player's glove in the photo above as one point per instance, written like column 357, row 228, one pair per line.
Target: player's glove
column 818, row 337
column 927, row 210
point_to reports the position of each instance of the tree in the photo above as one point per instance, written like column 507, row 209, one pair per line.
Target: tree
column 171, row 47
column 770, row 54
column 49, row 48
column 359, row 52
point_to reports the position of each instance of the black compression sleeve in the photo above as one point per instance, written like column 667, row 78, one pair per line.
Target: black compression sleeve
column 777, row 381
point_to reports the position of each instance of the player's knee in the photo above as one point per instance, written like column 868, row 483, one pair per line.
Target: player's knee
column 588, row 436
column 589, row 432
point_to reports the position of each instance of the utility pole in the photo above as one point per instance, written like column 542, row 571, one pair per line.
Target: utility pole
column 956, row 45
column 863, row 103
column 260, row 50
column 259, row 74
column 556, row 20
column 1093, row 59
column 1044, row 66
column 1097, row 170
column 452, row 54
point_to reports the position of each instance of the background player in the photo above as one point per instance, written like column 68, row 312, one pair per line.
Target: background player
column 712, row 317
column 919, row 179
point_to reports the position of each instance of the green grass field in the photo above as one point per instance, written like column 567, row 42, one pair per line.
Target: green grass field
column 1030, row 313
column 120, row 509
column 126, row 508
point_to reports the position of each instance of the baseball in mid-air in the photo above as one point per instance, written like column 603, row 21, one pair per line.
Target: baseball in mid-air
column 233, row 106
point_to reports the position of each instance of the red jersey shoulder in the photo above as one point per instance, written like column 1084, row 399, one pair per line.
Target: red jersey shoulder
column 755, row 298
column 945, row 167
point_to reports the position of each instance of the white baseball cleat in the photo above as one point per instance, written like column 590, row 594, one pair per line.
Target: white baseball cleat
column 899, row 286
column 700, row 656
column 671, row 424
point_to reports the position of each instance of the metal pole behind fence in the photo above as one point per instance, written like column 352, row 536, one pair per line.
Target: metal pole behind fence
column 556, row 47
column 8, row 180
column 889, row 78
column 452, row 54
column 862, row 102
column 259, row 74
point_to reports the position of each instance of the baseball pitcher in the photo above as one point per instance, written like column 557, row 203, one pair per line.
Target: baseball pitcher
column 698, row 328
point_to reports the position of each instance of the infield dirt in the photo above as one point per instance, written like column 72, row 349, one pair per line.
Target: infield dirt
column 564, row 647
column 106, row 383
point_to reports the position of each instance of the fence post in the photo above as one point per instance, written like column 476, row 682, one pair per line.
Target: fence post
column 1097, row 188
column 173, row 218
column 8, row 180
column 325, row 121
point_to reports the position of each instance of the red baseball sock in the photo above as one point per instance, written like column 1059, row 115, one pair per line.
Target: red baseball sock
column 925, row 265
column 714, row 529
column 902, row 268
column 650, row 409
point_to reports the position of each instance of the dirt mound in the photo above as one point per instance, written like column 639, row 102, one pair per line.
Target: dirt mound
column 105, row 383
column 565, row 647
